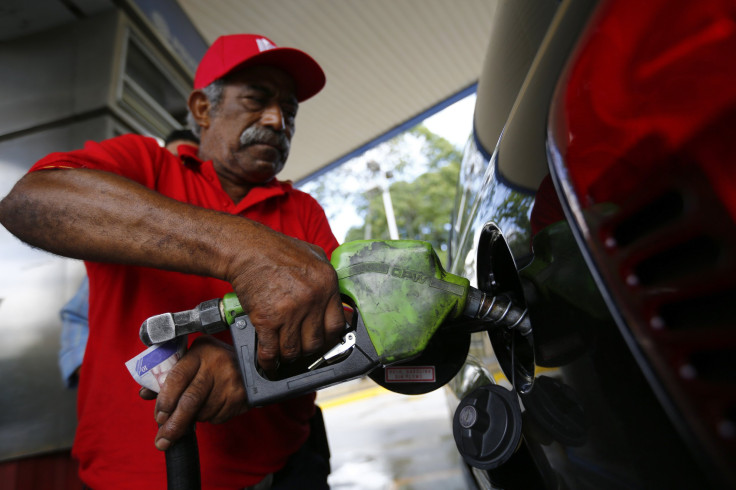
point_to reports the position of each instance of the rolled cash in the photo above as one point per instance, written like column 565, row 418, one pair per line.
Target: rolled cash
column 150, row 367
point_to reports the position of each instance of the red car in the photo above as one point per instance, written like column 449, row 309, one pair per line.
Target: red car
column 600, row 191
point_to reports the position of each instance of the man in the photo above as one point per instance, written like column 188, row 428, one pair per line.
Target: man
column 74, row 320
column 159, row 234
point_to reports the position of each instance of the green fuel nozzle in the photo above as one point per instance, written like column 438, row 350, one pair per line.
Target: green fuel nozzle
column 402, row 297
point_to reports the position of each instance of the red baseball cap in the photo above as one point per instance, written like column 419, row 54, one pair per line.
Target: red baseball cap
column 236, row 51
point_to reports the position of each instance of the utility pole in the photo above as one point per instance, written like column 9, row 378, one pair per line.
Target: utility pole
column 375, row 168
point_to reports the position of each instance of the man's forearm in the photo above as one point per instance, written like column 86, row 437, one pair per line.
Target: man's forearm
column 287, row 286
column 99, row 216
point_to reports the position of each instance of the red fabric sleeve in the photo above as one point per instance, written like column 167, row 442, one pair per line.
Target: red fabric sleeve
column 135, row 157
column 318, row 228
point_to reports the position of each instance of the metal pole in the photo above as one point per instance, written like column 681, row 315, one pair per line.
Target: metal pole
column 393, row 232
column 388, row 206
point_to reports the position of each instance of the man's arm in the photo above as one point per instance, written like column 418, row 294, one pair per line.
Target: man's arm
column 99, row 216
column 287, row 286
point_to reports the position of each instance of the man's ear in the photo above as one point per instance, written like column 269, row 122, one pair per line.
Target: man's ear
column 199, row 106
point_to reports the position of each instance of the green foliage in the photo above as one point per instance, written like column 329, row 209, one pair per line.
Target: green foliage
column 423, row 169
column 438, row 151
column 422, row 206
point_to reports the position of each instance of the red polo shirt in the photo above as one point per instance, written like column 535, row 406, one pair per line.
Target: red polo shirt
column 114, row 439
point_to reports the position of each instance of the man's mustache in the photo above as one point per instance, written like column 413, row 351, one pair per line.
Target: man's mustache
column 258, row 135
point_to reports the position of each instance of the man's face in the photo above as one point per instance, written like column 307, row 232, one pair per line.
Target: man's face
column 250, row 132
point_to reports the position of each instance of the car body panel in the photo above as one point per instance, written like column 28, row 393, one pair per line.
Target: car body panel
column 632, row 388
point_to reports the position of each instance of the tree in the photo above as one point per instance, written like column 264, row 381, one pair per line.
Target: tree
column 424, row 169
column 422, row 206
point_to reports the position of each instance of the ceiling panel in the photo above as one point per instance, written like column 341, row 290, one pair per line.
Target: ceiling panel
column 386, row 61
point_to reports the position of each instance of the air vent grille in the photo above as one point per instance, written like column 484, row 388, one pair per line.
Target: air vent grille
column 668, row 254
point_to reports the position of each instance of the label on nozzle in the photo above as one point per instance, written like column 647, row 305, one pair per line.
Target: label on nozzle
column 410, row 374
column 150, row 367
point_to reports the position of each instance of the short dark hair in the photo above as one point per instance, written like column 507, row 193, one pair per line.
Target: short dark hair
column 181, row 134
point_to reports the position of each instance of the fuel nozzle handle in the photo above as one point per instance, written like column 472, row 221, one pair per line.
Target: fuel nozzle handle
column 499, row 310
column 207, row 317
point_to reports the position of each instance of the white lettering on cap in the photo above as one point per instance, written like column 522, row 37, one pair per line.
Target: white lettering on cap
column 264, row 44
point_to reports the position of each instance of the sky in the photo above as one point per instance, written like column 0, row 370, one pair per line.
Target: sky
column 455, row 122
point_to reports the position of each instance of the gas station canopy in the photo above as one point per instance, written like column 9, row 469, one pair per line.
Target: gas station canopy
column 387, row 61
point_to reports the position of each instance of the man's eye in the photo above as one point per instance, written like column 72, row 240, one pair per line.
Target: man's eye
column 255, row 100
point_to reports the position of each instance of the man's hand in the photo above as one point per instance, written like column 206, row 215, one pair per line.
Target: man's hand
column 290, row 293
column 204, row 385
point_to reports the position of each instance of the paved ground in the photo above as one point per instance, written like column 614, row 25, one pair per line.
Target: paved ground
column 384, row 441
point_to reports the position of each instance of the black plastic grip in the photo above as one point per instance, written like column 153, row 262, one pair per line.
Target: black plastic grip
column 261, row 391
column 182, row 463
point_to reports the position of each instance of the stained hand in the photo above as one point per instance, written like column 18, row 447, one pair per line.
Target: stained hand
column 293, row 301
column 204, row 385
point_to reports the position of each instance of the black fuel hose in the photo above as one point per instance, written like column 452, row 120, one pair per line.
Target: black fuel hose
column 182, row 463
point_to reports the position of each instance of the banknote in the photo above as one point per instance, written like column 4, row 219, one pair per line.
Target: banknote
column 150, row 367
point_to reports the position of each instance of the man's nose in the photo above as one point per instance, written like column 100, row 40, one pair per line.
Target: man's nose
column 273, row 117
